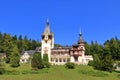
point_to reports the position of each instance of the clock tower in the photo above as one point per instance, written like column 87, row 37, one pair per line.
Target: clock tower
column 47, row 41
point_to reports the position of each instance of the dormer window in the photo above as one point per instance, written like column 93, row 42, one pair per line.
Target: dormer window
column 81, row 47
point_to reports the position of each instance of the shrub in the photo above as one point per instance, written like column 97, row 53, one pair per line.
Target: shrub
column 15, row 61
column 45, row 57
column 70, row 65
column 2, row 67
column 36, row 61
column 91, row 63
column 2, row 70
column 46, row 64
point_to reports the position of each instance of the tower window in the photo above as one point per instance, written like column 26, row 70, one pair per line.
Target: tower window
column 42, row 37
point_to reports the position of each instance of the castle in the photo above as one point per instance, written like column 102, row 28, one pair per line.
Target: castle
column 59, row 55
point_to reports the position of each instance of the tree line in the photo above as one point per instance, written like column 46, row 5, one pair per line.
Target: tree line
column 12, row 46
column 106, row 55
column 22, row 42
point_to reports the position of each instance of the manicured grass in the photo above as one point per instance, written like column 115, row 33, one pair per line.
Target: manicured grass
column 24, row 72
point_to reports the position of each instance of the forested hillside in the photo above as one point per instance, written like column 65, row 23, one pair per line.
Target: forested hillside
column 105, row 56
column 22, row 42
column 110, row 47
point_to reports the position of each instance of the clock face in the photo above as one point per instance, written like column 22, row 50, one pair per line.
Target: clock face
column 46, row 37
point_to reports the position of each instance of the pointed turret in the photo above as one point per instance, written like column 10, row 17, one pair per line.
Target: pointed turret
column 80, row 38
column 47, row 28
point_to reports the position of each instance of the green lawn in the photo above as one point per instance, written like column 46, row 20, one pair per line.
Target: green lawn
column 57, row 73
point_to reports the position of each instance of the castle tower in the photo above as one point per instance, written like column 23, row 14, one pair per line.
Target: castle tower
column 81, row 42
column 47, row 41
column 81, row 45
column 77, row 52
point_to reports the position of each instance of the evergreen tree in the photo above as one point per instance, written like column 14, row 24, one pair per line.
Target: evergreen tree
column 35, row 44
column 57, row 45
column 2, row 67
column 107, row 63
column 45, row 57
column 20, row 44
column 1, row 40
column 97, row 62
column 104, row 62
column 14, row 57
column 14, row 39
column 6, row 40
column 25, row 43
column 87, row 49
column 6, row 46
column 36, row 61
column 46, row 64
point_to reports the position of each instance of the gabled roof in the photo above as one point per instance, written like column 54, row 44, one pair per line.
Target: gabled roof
column 30, row 52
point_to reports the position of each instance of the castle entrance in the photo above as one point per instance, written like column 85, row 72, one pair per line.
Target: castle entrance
column 76, row 58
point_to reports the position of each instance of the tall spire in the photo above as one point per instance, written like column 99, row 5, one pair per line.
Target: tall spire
column 47, row 28
column 80, row 37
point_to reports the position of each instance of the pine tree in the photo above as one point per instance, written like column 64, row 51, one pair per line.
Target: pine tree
column 107, row 63
column 46, row 64
column 87, row 49
column 36, row 61
column 1, row 40
column 2, row 67
column 6, row 46
column 45, row 57
column 14, row 57
column 20, row 44
column 97, row 62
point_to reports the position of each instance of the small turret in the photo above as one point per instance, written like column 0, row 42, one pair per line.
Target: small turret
column 80, row 38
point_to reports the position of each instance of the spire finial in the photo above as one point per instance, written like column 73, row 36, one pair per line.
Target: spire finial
column 80, row 31
column 47, row 20
column 80, row 36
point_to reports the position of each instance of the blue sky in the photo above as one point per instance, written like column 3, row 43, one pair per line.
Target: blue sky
column 99, row 19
